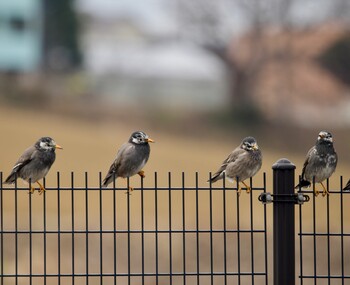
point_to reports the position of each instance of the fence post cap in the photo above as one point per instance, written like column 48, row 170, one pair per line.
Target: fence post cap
column 283, row 163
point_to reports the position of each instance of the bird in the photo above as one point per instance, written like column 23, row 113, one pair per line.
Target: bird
column 320, row 164
column 131, row 158
column 35, row 163
column 243, row 162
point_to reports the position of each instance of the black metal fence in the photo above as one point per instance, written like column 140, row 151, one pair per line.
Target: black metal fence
column 172, row 229
column 324, row 238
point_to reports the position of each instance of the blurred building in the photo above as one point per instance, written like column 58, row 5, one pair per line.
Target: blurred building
column 38, row 34
column 20, row 35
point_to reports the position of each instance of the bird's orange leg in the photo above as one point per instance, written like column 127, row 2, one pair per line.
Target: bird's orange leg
column 130, row 189
column 42, row 189
column 31, row 191
column 248, row 188
column 316, row 192
column 141, row 173
column 239, row 190
column 325, row 191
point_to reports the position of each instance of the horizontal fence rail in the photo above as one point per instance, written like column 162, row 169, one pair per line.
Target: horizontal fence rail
column 176, row 229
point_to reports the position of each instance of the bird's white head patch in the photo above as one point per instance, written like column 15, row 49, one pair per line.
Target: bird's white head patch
column 140, row 138
column 325, row 136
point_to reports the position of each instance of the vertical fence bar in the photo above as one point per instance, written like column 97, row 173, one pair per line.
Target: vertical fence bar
column 283, row 223
column 45, row 238
column 16, row 231
column 225, row 227
column 156, row 225
column 301, row 245
column 87, row 228
column 265, row 236
column 142, row 234
column 314, row 233
column 342, row 229
column 211, row 230
column 1, row 233
column 328, row 238
column 252, row 230
column 197, row 230
column 73, row 228
column 30, row 240
column 114, row 231
column 238, row 238
column 183, row 229
column 170, row 232
column 45, row 233
column 59, row 228
column 101, row 226
column 128, row 227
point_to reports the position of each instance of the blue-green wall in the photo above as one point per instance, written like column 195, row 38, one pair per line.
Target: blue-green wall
column 20, row 35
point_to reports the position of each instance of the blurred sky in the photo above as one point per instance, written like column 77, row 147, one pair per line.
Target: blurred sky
column 155, row 14
column 160, row 15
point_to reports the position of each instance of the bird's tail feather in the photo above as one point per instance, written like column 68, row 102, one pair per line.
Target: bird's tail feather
column 215, row 178
column 303, row 183
column 109, row 179
column 11, row 178
column 347, row 186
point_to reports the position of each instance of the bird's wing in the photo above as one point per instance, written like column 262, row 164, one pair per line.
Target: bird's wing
column 231, row 158
column 309, row 156
column 122, row 155
column 125, row 151
column 25, row 158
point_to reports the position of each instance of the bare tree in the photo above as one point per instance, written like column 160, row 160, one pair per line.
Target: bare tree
column 207, row 23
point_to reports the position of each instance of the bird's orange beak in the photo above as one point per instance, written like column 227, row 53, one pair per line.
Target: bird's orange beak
column 150, row 140
column 58, row 146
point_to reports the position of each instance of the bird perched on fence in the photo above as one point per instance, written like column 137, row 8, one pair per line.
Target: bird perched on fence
column 242, row 163
column 131, row 158
column 35, row 163
column 321, row 162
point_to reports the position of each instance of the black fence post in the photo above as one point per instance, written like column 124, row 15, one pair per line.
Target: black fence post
column 283, row 223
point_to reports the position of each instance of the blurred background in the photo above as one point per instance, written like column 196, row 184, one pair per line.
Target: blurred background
column 90, row 72
column 232, row 65
column 196, row 75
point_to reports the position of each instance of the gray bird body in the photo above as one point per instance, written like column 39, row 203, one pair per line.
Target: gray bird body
column 35, row 162
column 131, row 158
column 320, row 163
column 243, row 162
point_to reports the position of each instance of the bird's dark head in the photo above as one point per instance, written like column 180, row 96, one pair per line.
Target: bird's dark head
column 325, row 137
column 47, row 144
column 249, row 144
column 140, row 138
